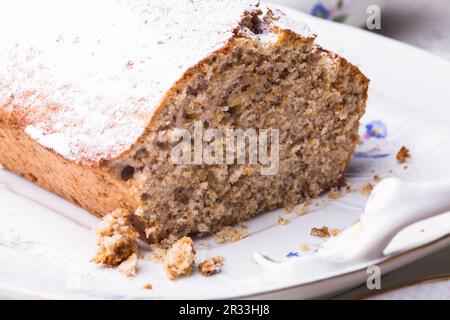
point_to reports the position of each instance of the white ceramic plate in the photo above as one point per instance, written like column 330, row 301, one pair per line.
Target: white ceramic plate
column 46, row 243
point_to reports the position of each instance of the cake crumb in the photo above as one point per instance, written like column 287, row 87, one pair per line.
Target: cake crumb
column 302, row 209
column 211, row 266
column 139, row 212
column 231, row 235
column 367, row 189
column 403, row 155
column 149, row 232
column 180, row 258
column 283, row 221
column 128, row 267
column 320, row 233
column 158, row 254
column 203, row 244
column 289, row 209
column 167, row 242
column 304, row 248
column 376, row 178
column 349, row 186
column 148, row 286
column 334, row 194
column 116, row 239
column 335, row 232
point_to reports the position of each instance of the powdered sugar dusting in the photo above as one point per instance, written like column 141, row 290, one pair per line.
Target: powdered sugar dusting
column 102, row 66
column 284, row 22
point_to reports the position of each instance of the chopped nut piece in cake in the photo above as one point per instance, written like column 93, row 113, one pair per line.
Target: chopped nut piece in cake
column 403, row 155
column 129, row 266
column 148, row 286
column 116, row 239
column 180, row 258
column 367, row 189
column 334, row 194
column 321, row 233
column 283, row 221
column 211, row 266
column 231, row 235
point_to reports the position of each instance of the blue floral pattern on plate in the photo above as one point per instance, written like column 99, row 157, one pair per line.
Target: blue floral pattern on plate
column 374, row 130
column 333, row 11
column 319, row 10
column 293, row 255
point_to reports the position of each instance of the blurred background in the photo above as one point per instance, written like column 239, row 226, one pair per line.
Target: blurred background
column 422, row 23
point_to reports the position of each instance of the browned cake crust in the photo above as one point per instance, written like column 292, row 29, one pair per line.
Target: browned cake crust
column 90, row 187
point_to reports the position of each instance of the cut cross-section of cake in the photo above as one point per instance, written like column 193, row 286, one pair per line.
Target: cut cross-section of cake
column 92, row 108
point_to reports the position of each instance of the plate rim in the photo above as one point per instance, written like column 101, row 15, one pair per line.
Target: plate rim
column 414, row 253
column 388, row 260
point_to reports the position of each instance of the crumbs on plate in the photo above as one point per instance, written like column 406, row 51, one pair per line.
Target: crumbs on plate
column 367, row 189
column 349, row 186
column 116, row 239
column 302, row 209
column 128, row 267
column 211, row 266
column 304, row 248
column 180, row 258
column 403, row 155
column 231, row 235
column 323, row 232
column 334, row 194
column 157, row 253
column 289, row 209
column 282, row 221
column 203, row 244
column 335, row 232
column 148, row 286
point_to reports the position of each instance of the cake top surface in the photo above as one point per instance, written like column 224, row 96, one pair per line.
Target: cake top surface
column 88, row 74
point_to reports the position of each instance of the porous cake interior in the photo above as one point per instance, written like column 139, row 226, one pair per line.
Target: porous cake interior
column 314, row 99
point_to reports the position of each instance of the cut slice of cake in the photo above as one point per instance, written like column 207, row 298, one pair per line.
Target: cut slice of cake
column 90, row 108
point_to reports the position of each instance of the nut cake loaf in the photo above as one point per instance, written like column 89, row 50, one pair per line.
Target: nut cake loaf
column 91, row 91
